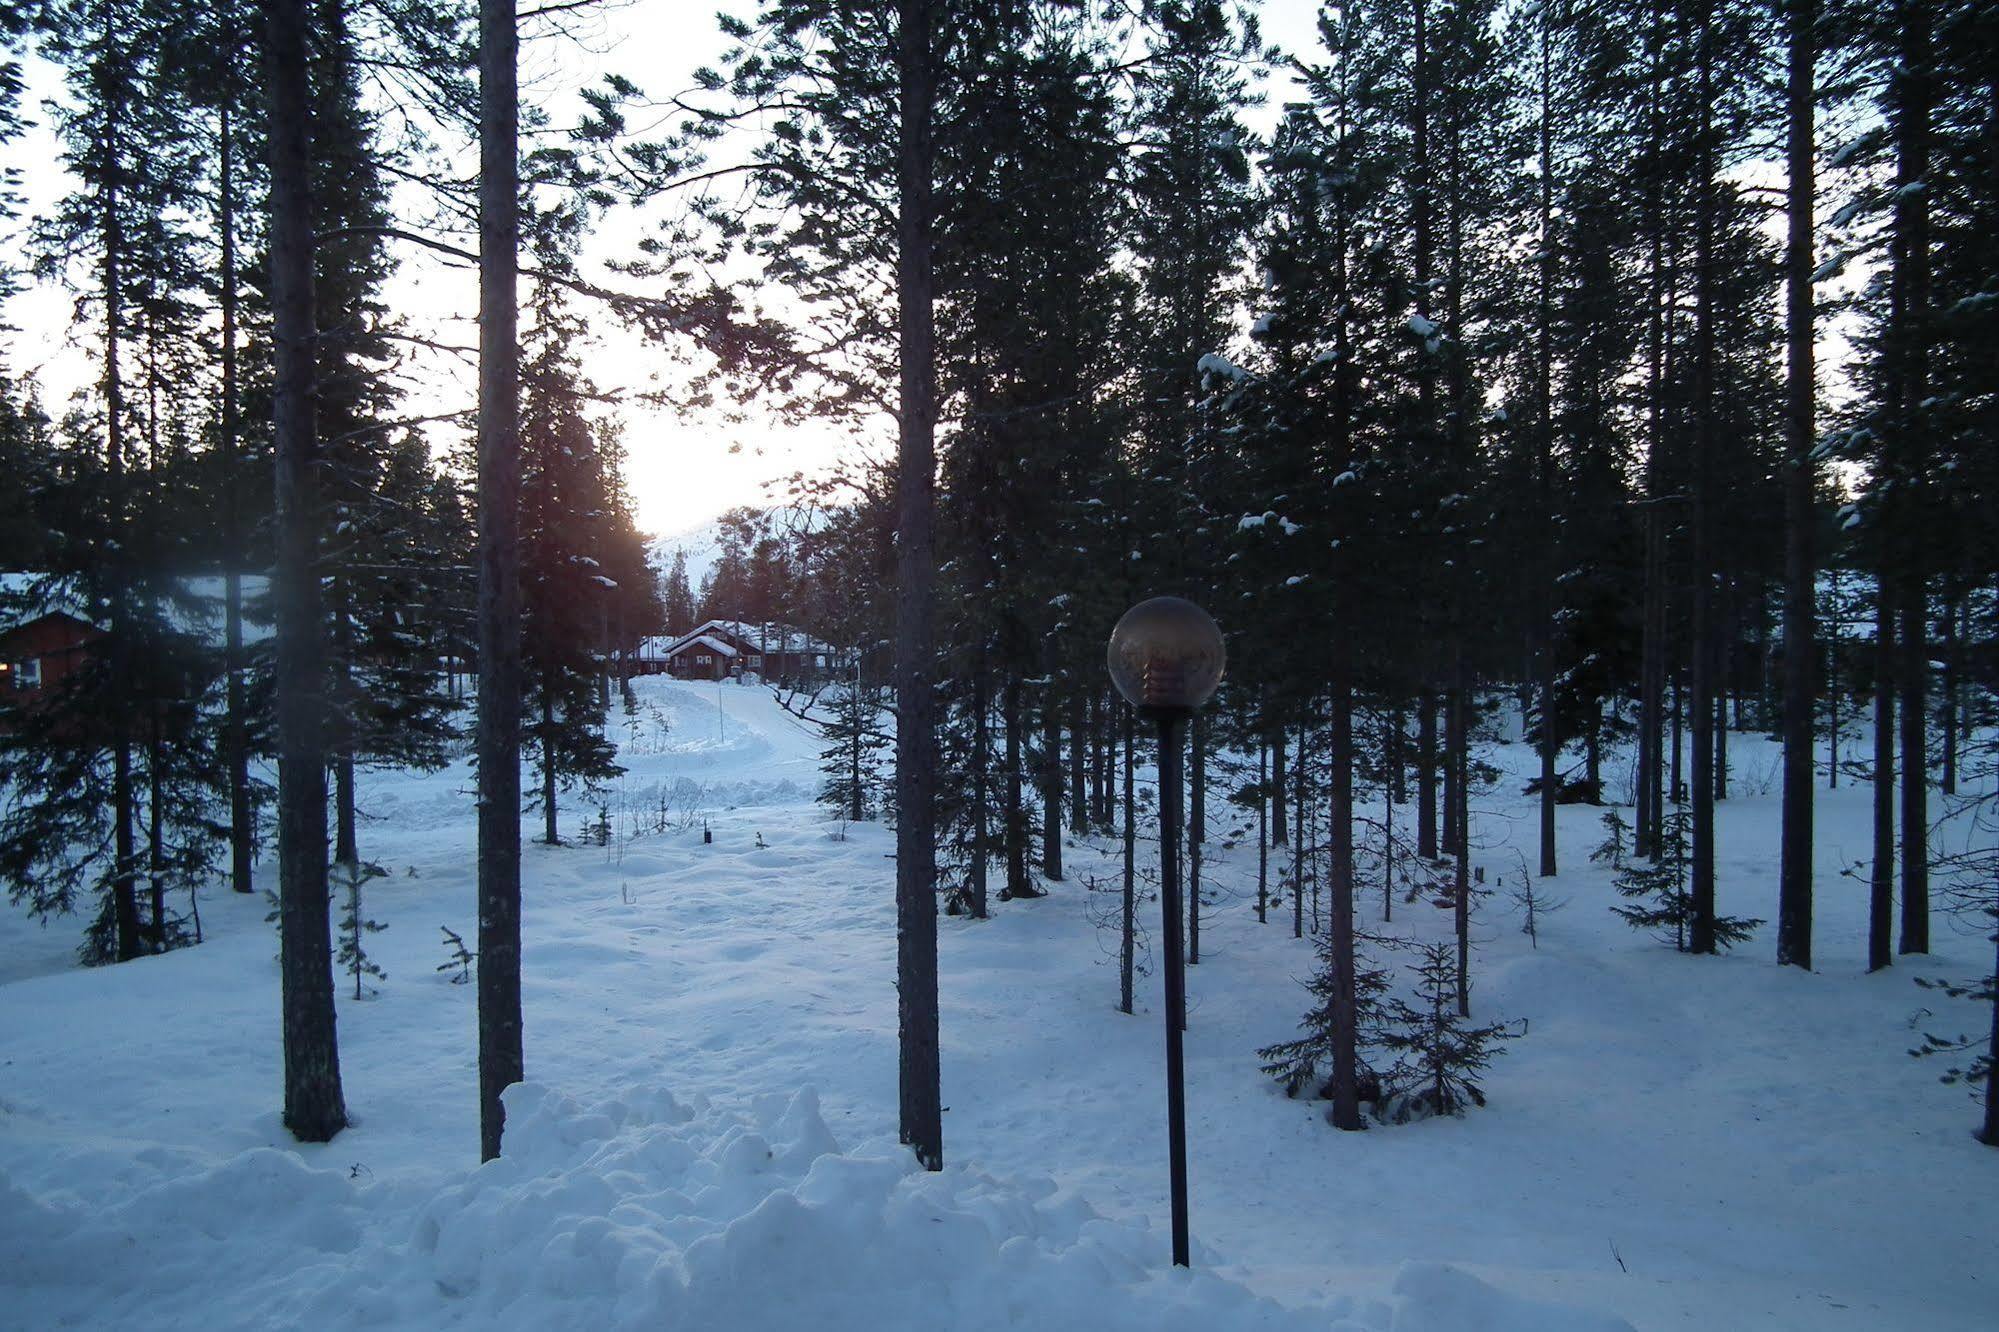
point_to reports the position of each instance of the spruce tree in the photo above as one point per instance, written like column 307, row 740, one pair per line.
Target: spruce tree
column 1347, row 1021
column 677, row 596
column 128, row 814
column 1438, row 1056
column 565, row 497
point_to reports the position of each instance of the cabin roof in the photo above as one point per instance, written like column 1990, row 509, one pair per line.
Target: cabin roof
column 772, row 638
column 703, row 640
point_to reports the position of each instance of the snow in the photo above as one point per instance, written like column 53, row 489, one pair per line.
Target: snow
column 709, row 642
column 647, row 1211
column 1847, row 151
column 1213, row 364
column 1421, row 327
column 1251, row 521
column 708, row 1137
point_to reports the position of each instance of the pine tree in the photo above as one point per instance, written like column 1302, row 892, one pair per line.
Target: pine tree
column 355, row 926
column 1662, row 900
column 387, row 706
column 565, row 498
column 1347, row 1019
column 677, row 597
column 314, row 1108
column 850, row 177
column 498, row 737
column 221, row 55
column 132, row 806
column 1794, row 911
column 852, row 760
column 1439, row 1056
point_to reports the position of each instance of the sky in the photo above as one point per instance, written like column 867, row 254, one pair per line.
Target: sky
column 682, row 471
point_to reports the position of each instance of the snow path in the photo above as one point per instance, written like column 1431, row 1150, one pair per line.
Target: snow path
column 1751, row 1142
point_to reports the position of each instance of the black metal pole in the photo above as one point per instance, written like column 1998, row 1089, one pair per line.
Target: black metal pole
column 1176, row 978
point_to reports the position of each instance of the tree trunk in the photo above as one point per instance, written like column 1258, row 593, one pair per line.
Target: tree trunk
column 1910, row 319
column 1794, row 874
column 1544, row 362
column 1262, row 831
column 1593, row 756
column 1197, row 822
column 1079, row 749
column 981, row 782
column 1015, row 803
column 1834, row 722
column 1914, row 719
column 1387, row 861
column 235, row 726
column 124, row 889
column 498, row 741
column 1106, row 729
column 1722, row 697
column 550, row 834
column 1051, row 785
column 1881, row 881
column 1346, row 1062
column 1398, row 770
column 1128, row 935
column 342, row 718
column 857, row 805
column 921, row 1109
column 1277, row 787
column 346, row 846
column 156, row 834
column 1461, row 834
column 1652, row 709
column 314, row 1109
column 1660, row 298
column 1948, row 688
column 1701, row 632
column 1426, row 775
column 1298, row 842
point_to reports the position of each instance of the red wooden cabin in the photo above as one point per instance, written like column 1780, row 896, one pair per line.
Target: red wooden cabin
column 36, row 654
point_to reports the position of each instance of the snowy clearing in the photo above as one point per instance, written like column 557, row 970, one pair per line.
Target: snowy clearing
column 707, row 1139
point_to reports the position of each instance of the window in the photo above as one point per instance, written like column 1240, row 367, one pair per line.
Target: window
column 28, row 674
column 704, row 661
column 756, row 662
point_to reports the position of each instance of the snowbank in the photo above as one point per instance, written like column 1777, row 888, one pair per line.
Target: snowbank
column 650, row 1211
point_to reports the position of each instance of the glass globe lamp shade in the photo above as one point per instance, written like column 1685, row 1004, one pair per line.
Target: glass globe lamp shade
column 1166, row 655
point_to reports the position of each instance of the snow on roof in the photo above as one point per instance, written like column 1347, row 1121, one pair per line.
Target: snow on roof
column 758, row 638
column 702, row 640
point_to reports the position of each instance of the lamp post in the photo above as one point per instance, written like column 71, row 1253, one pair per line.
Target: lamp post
column 1166, row 657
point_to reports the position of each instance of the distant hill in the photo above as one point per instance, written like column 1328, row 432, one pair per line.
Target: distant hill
column 703, row 545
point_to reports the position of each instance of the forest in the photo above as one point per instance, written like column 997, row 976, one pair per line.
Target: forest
column 1610, row 382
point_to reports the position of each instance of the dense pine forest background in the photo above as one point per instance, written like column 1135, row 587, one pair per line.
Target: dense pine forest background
column 1625, row 370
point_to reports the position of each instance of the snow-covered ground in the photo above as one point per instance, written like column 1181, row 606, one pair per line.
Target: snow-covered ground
column 708, row 1138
